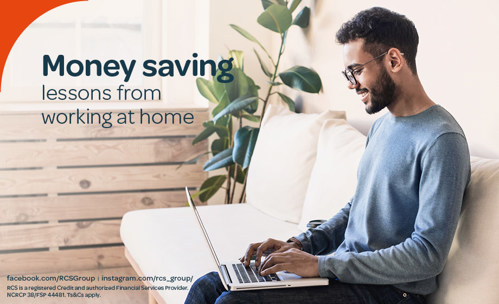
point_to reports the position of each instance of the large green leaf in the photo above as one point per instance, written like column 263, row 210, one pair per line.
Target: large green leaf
column 222, row 103
column 267, row 3
column 262, row 65
column 246, row 34
column 244, row 144
column 251, row 147
column 251, row 109
column 238, row 58
column 276, row 18
column 209, row 129
column 205, row 87
column 288, row 101
column 192, row 160
column 224, row 122
column 240, row 86
column 195, row 159
column 221, row 160
column 217, row 146
column 236, row 106
column 207, row 132
column 241, row 140
column 218, row 86
column 294, row 5
column 251, row 117
column 303, row 18
column 302, row 78
column 240, row 174
column 210, row 187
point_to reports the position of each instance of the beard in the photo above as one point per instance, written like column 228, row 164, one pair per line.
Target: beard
column 382, row 95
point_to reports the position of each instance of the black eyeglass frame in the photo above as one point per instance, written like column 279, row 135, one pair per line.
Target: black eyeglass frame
column 349, row 73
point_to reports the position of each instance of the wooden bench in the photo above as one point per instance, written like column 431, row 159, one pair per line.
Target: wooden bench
column 64, row 188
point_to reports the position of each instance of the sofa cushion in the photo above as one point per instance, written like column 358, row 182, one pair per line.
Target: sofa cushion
column 471, row 274
column 282, row 161
column 334, row 175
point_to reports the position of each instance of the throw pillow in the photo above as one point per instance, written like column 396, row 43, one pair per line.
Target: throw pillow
column 282, row 161
column 334, row 175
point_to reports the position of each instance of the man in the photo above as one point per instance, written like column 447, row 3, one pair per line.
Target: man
column 392, row 239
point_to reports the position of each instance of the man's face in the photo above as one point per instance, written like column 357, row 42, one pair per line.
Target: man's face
column 374, row 85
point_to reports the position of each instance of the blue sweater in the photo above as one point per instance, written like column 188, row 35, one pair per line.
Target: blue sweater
column 399, row 226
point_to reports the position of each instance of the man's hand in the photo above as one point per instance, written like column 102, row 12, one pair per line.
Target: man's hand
column 258, row 249
column 292, row 260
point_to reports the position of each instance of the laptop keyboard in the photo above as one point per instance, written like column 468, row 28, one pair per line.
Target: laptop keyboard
column 251, row 274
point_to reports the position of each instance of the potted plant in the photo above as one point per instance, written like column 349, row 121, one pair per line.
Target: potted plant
column 237, row 101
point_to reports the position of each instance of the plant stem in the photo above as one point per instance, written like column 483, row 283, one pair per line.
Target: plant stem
column 274, row 76
column 230, row 145
column 265, row 101
column 243, row 192
column 231, row 199
column 235, row 183
column 227, row 191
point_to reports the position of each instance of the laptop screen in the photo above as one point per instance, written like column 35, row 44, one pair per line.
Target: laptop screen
column 207, row 238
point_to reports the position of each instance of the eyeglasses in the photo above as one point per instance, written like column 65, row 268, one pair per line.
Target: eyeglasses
column 350, row 73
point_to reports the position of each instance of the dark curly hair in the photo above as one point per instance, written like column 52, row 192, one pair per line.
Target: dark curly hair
column 382, row 29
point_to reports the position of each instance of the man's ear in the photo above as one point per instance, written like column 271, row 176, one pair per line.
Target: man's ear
column 396, row 59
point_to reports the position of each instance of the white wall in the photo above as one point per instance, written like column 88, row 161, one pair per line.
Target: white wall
column 457, row 61
column 222, row 37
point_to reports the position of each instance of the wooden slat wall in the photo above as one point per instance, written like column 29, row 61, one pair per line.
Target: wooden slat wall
column 64, row 188
column 100, row 179
column 30, row 126
column 108, row 152
column 64, row 260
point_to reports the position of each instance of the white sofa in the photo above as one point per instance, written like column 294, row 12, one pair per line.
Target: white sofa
column 304, row 168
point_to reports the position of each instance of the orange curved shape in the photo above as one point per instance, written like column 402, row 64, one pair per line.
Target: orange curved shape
column 15, row 16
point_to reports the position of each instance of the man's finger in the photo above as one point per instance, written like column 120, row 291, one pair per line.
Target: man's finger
column 268, row 244
column 249, row 252
column 258, row 254
column 275, row 268
column 271, row 260
column 282, row 249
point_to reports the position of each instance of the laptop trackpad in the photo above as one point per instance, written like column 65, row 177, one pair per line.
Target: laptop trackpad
column 284, row 275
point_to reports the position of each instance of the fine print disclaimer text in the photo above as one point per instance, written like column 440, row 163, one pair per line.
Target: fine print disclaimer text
column 88, row 287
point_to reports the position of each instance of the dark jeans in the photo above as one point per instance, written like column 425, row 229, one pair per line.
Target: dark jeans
column 209, row 289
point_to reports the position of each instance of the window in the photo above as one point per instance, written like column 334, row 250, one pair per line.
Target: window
column 105, row 30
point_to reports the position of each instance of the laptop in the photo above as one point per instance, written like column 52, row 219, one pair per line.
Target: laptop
column 236, row 277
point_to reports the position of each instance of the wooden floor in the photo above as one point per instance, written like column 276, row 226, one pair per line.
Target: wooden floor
column 106, row 296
